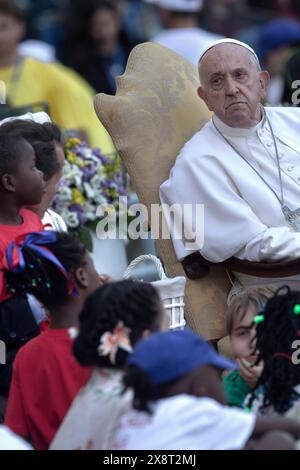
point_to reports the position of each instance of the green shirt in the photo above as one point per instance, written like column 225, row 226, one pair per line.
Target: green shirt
column 235, row 388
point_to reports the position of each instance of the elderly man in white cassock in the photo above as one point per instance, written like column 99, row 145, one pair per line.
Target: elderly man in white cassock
column 243, row 166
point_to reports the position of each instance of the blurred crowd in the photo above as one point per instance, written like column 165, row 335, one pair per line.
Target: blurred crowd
column 94, row 37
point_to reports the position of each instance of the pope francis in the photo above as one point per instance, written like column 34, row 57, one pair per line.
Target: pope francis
column 243, row 166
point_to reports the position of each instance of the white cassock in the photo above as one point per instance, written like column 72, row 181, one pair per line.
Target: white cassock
column 242, row 215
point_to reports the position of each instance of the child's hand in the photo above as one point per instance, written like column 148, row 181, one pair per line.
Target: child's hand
column 249, row 372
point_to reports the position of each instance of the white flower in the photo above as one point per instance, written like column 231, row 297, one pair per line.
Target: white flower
column 65, row 194
column 77, row 180
column 96, row 181
column 110, row 342
column 90, row 211
column 71, row 219
column 87, row 153
column 90, row 193
column 100, row 199
column 74, row 175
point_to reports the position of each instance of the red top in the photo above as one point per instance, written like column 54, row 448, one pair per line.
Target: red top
column 46, row 379
column 8, row 233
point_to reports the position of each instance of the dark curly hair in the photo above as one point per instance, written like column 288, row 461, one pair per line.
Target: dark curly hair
column 42, row 138
column 145, row 391
column 11, row 152
column 136, row 304
column 275, row 337
column 14, row 8
column 41, row 277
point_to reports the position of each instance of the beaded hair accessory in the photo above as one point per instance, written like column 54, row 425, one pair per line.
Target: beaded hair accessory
column 260, row 318
column 110, row 342
column 296, row 309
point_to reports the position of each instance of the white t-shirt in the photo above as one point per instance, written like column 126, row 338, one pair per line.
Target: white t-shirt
column 10, row 441
column 187, row 423
column 95, row 414
column 188, row 42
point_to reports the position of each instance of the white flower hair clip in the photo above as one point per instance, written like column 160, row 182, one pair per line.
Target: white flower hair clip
column 110, row 342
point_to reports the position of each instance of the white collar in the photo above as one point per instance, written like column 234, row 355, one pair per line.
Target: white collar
column 228, row 131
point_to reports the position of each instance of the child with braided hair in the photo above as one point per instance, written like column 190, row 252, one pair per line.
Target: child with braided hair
column 112, row 321
column 57, row 269
column 21, row 184
column 45, row 138
column 278, row 328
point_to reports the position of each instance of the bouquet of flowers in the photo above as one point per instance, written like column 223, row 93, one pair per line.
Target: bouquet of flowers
column 89, row 180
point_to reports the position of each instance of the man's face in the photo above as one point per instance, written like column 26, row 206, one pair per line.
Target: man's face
column 231, row 85
column 11, row 33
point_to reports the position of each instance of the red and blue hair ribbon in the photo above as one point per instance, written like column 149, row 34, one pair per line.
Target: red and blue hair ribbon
column 14, row 259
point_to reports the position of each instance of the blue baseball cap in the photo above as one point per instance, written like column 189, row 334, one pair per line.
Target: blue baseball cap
column 277, row 33
column 168, row 355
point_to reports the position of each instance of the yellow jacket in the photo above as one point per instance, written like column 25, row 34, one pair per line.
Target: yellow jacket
column 69, row 97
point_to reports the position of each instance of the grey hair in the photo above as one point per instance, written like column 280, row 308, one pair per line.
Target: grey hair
column 252, row 59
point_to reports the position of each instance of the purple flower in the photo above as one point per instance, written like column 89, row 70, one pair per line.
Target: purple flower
column 88, row 172
column 79, row 211
column 97, row 153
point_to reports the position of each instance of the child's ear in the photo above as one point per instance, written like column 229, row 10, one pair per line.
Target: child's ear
column 81, row 277
column 8, row 182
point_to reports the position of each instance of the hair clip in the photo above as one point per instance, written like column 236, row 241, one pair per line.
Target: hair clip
column 258, row 319
column 110, row 342
column 296, row 309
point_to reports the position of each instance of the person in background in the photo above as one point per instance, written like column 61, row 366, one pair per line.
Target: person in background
column 21, row 184
column 182, row 33
column 34, row 84
column 130, row 310
column 98, row 48
column 278, row 326
column 278, row 40
column 291, row 74
column 57, row 269
column 46, row 139
column 241, row 329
